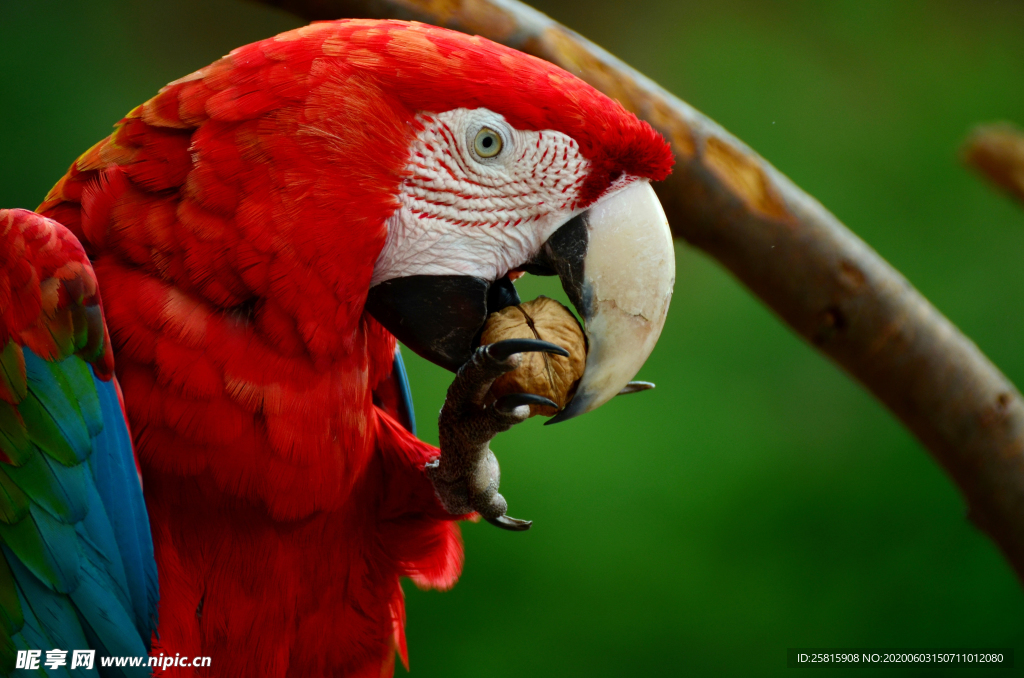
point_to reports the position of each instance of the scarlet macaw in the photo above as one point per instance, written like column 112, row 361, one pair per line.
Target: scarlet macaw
column 262, row 230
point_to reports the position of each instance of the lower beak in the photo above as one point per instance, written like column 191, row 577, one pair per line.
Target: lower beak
column 617, row 265
column 439, row 317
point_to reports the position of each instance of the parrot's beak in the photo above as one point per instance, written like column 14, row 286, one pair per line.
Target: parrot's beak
column 617, row 265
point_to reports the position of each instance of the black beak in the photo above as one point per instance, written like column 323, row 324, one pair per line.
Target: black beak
column 439, row 317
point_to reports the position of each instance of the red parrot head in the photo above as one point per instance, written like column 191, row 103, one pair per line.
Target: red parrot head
column 512, row 164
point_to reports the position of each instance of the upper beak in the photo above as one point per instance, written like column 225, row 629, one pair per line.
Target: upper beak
column 617, row 265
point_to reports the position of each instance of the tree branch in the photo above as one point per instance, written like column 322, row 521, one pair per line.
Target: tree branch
column 996, row 151
column 827, row 284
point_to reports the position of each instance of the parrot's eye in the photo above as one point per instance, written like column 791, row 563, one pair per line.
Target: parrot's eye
column 488, row 143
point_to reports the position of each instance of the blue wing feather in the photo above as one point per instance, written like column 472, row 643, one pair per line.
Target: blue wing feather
column 95, row 584
column 45, row 383
column 407, row 416
column 66, row 502
column 54, row 615
column 32, row 635
column 117, row 482
column 41, row 533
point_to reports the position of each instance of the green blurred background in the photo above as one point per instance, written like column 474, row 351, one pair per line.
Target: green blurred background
column 758, row 499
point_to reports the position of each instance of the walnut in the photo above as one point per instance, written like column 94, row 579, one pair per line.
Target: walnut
column 543, row 374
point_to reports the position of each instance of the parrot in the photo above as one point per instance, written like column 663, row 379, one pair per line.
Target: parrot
column 264, row 232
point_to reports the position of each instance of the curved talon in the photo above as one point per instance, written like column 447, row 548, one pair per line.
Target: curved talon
column 501, row 350
column 635, row 387
column 509, row 523
column 507, row 403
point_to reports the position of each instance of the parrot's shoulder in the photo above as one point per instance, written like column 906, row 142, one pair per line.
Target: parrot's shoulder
column 49, row 298
column 76, row 560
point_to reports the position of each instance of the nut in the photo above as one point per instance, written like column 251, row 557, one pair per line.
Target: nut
column 543, row 374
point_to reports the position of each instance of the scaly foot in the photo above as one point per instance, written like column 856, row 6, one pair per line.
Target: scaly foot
column 466, row 475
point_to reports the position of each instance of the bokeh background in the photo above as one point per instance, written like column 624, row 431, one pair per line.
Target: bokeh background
column 758, row 499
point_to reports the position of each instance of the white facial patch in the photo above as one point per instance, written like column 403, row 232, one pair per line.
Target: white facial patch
column 481, row 197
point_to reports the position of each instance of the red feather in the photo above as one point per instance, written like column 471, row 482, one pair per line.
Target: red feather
column 49, row 298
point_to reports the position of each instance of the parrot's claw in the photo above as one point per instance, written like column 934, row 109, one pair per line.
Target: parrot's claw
column 507, row 403
column 501, row 350
column 511, row 524
column 466, row 475
column 636, row 387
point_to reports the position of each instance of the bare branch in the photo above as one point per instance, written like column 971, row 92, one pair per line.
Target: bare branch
column 996, row 151
column 827, row 284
